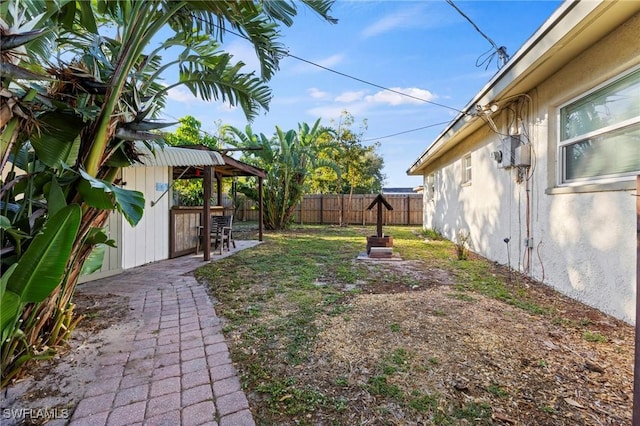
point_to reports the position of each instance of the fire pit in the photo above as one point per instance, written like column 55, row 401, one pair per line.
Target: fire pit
column 375, row 241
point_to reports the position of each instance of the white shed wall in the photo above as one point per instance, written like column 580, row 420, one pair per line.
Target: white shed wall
column 112, row 261
column 148, row 241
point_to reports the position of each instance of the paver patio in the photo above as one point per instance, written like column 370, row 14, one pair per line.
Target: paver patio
column 174, row 368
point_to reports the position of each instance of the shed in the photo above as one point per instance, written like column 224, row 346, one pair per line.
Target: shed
column 155, row 237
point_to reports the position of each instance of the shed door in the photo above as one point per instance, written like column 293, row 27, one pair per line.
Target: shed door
column 148, row 241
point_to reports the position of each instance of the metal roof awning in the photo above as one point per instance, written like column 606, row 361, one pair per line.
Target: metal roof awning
column 177, row 157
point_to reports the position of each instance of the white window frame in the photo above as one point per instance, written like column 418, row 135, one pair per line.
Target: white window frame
column 562, row 144
column 430, row 186
column 467, row 170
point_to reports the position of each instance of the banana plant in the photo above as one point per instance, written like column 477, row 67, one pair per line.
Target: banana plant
column 73, row 119
column 32, row 279
column 289, row 157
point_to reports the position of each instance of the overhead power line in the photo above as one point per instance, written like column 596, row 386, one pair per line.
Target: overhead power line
column 501, row 51
column 290, row 55
column 374, row 84
column 364, row 140
column 406, row 131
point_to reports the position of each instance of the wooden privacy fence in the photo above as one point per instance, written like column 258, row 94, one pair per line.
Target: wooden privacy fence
column 329, row 208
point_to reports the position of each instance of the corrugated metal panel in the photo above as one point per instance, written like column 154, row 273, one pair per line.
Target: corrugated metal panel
column 174, row 156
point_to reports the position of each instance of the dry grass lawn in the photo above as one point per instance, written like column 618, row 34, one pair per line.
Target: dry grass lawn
column 321, row 338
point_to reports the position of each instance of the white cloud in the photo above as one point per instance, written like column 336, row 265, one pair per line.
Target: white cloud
column 328, row 62
column 333, row 112
column 243, row 51
column 416, row 96
column 348, row 97
column 182, row 95
column 406, row 18
column 317, row 93
column 331, row 61
column 385, row 24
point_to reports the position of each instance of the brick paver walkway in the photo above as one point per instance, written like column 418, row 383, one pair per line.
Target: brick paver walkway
column 174, row 367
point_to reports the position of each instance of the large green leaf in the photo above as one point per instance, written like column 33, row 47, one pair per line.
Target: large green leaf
column 99, row 236
column 57, row 140
column 96, row 193
column 94, row 261
column 41, row 267
column 5, row 223
column 130, row 203
column 9, row 305
column 102, row 194
column 9, row 313
column 55, row 197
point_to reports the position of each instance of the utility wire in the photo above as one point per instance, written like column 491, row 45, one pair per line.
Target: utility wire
column 364, row 140
column 290, row 55
column 374, row 84
column 500, row 51
column 406, row 131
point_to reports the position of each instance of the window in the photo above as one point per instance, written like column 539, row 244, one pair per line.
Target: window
column 600, row 133
column 466, row 169
column 430, row 187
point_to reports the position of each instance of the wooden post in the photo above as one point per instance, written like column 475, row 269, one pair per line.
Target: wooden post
column 408, row 209
column 261, row 209
column 343, row 219
column 321, row 210
column 206, row 213
column 379, row 221
column 379, row 201
column 636, row 370
column 219, row 191
column 300, row 210
column 244, row 209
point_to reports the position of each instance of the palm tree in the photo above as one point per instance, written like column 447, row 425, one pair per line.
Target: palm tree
column 70, row 122
column 289, row 158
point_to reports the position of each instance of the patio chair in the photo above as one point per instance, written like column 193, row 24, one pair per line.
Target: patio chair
column 222, row 232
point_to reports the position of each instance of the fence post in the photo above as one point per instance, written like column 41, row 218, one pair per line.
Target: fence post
column 408, row 210
column 345, row 220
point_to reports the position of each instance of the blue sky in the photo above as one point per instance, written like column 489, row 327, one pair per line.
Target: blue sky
column 423, row 48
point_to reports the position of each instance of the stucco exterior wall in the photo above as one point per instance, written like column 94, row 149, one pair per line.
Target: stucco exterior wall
column 584, row 240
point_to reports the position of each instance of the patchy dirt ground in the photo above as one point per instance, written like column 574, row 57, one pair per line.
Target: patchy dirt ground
column 52, row 388
column 428, row 354
column 574, row 367
column 445, row 350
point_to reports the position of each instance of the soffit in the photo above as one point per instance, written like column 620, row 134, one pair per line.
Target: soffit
column 571, row 29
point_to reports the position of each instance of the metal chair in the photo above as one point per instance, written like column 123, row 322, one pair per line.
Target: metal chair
column 222, row 232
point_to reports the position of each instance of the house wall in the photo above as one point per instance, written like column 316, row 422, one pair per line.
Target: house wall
column 584, row 240
column 148, row 241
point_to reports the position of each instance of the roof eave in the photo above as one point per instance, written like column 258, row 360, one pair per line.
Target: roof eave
column 568, row 29
column 166, row 155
